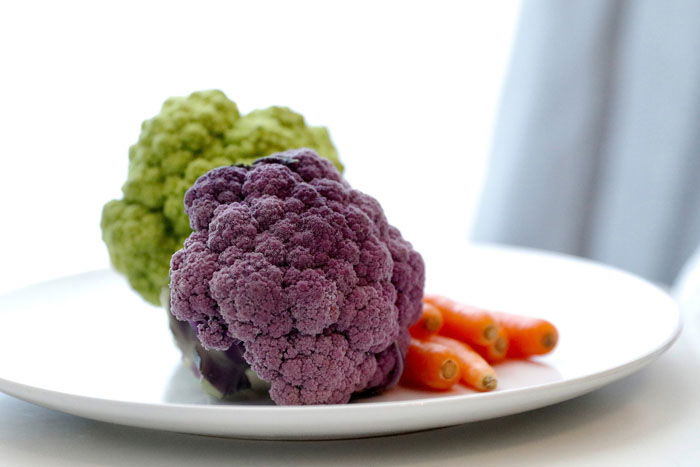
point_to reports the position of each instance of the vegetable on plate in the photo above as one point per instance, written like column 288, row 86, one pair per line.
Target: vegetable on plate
column 463, row 322
column 430, row 365
column 429, row 323
column 475, row 371
column 302, row 271
column 473, row 338
column 527, row 336
column 497, row 350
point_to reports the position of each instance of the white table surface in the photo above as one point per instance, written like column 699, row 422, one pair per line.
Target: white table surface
column 650, row 418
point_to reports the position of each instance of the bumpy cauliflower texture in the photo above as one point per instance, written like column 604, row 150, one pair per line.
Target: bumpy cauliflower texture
column 302, row 269
column 190, row 136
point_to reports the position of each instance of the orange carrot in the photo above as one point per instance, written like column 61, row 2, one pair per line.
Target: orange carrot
column 476, row 373
column 428, row 324
column 497, row 350
column 528, row 336
column 465, row 323
column 430, row 365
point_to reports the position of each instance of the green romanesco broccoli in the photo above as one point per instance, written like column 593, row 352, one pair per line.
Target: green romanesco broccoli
column 189, row 137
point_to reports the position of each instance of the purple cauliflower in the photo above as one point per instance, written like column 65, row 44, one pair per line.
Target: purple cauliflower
column 305, row 271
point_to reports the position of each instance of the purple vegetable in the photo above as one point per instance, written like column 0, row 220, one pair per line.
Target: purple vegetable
column 223, row 370
column 302, row 269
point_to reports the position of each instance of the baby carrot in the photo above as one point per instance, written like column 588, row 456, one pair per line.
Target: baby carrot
column 476, row 373
column 428, row 324
column 430, row 365
column 496, row 351
column 527, row 336
column 465, row 323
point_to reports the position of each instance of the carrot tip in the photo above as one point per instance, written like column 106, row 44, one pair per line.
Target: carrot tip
column 490, row 332
column 549, row 340
column 500, row 345
column 431, row 324
column 489, row 382
column 449, row 369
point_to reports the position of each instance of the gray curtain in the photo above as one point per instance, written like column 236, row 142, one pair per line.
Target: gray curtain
column 597, row 143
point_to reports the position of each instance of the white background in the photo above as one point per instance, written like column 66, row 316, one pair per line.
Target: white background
column 409, row 91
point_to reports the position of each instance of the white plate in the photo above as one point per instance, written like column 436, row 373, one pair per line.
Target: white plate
column 88, row 346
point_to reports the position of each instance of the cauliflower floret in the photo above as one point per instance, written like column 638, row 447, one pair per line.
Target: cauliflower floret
column 302, row 269
column 189, row 137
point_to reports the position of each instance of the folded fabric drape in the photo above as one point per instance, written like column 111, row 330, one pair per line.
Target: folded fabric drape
column 597, row 144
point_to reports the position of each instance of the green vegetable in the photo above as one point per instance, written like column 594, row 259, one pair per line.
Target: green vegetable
column 189, row 137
